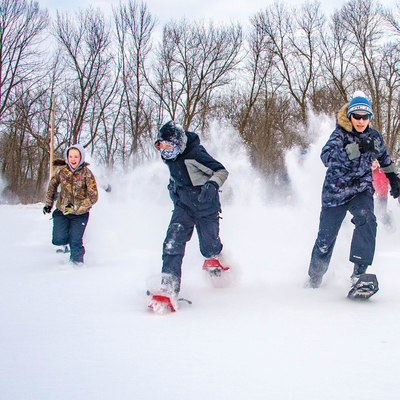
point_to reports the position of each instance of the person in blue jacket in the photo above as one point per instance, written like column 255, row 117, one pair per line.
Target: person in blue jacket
column 195, row 179
column 348, row 155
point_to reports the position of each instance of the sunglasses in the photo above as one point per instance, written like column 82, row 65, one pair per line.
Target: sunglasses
column 365, row 117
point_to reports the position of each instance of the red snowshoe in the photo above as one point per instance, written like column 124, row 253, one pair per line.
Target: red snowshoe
column 162, row 304
column 217, row 275
column 214, row 267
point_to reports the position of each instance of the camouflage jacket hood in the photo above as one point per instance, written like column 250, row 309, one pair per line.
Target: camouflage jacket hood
column 78, row 188
column 346, row 178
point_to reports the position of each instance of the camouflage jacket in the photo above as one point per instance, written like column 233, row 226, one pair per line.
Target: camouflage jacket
column 346, row 178
column 78, row 189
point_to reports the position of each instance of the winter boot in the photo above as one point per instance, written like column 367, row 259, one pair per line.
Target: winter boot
column 63, row 249
column 170, row 285
column 358, row 270
column 164, row 298
column 314, row 282
column 77, row 264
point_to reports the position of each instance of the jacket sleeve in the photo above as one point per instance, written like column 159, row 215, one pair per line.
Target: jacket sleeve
column 384, row 158
column 205, row 168
column 334, row 152
column 52, row 189
column 220, row 176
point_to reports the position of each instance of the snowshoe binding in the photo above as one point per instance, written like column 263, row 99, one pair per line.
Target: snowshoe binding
column 366, row 286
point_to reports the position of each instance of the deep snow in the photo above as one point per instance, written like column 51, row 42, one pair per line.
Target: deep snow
column 87, row 333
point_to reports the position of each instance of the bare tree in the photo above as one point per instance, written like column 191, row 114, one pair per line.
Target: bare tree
column 22, row 25
column 362, row 22
column 336, row 58
column 22, row 32
column 294, row 35
column 194, row 60
column 391, row 60
column 85, row 43
column 258, row 67
column 391, row 100
column 134, row 27
column 23, row 150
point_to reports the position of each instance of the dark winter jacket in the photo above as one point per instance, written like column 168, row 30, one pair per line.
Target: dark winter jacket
column 78, row 189
column 190, row 171
column 346, row 178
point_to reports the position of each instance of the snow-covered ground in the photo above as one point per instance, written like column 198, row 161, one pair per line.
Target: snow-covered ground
column 87, row 333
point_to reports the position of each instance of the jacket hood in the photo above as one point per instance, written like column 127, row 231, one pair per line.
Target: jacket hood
column 192, row 141
column 173, row 133
column 342, row 119
column 81, row 150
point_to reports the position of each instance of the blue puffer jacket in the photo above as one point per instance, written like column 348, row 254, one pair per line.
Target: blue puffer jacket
column 346, row 178
column 190, row 171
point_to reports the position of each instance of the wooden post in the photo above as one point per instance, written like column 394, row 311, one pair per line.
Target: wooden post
column 53, row 106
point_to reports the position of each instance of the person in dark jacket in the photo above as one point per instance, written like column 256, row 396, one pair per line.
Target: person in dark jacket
column 195, row 179
column 348, row 155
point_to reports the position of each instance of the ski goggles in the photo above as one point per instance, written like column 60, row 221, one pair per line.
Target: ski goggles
column 364, row 117
column 164, row 144
column 168, row 150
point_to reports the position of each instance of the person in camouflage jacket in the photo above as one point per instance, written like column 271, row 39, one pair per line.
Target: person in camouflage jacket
column 78, row 193
column 348, row 155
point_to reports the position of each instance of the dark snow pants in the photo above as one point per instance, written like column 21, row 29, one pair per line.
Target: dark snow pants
column 363, row 242
column 180, row 231
column 69, row 229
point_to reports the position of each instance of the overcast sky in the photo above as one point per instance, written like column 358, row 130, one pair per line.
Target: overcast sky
column 218, row 10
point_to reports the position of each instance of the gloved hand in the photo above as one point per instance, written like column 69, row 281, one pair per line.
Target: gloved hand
column 352, row 151
column 68, row 209
column 208, row 191
column 46, row 210
column 171, row 185
column 172, row 191
column 394, row 184
column 369, row 144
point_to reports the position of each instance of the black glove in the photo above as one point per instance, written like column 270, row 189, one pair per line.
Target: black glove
column 208, row 191
column 369, row 144
column 46, row 210
column 394, row 184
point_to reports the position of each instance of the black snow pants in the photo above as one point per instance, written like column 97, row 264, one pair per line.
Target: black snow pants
column 180, row 231
column 69, row 229
column 364, row 235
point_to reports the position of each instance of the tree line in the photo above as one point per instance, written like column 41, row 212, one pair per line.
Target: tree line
column 116, row 80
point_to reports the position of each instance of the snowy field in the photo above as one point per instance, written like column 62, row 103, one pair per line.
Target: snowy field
column 87, row 333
